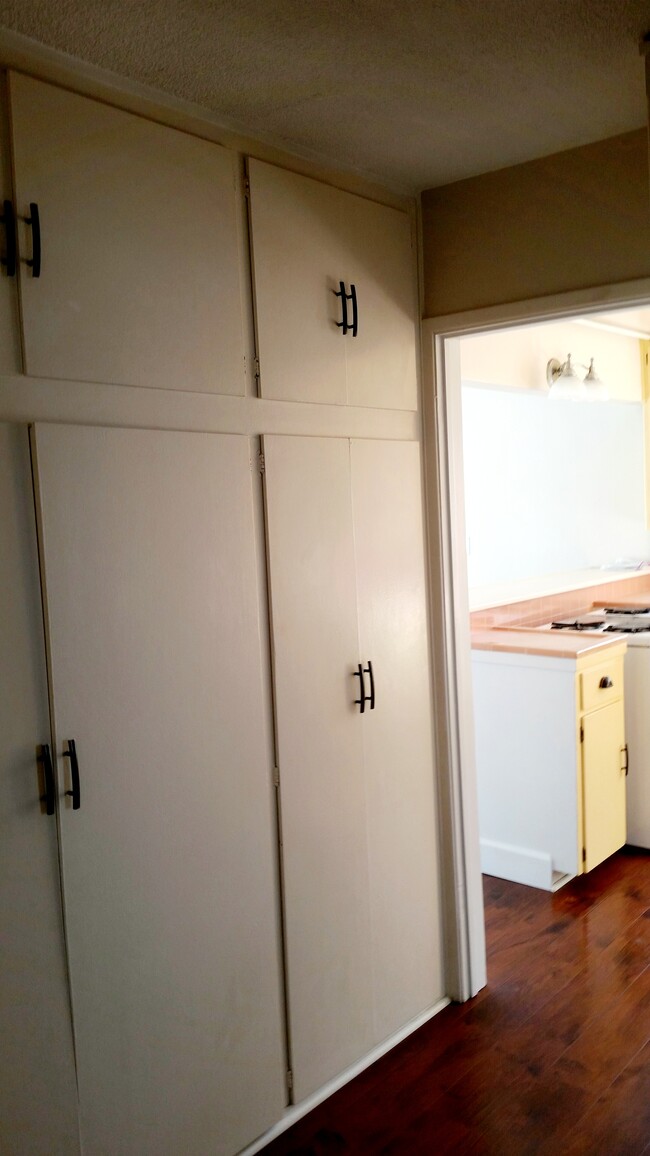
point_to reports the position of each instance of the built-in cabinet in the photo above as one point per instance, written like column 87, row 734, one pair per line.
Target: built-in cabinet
column 236, row 845
column 335, row 293
column 348, row 613
column 551, row 762
column 134, row 230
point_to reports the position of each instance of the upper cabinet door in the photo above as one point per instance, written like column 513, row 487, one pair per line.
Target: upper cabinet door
column 10, row 359
column 307, row 240
column 139, row 281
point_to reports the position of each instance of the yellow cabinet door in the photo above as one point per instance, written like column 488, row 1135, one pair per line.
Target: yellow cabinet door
column 603, row 782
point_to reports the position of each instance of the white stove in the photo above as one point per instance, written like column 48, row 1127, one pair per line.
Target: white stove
column 632, row 625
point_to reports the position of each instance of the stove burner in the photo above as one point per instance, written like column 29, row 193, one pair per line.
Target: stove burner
column 626, row 629
column 577, row 624
column 625, row 610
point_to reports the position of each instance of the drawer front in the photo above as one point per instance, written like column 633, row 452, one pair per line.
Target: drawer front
column 601, row 684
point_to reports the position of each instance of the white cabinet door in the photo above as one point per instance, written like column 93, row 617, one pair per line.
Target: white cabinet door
column 10, row 358
column 322, row 786
column 148, row 549
column 139, row 280
column 38, row 1095
column 397, row 734
column 357, row 790
column 306, row 238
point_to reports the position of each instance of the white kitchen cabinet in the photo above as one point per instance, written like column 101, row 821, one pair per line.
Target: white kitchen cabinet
column 307, row 238
column 140, row 270
column 357, row 790
column 38, row 1096
column 168, row 864
column 550, row 760
column 10, row 358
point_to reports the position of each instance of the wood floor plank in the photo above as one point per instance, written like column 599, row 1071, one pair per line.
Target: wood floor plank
column 551, row 1058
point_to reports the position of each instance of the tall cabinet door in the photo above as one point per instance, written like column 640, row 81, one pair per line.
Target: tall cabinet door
column 307, row 238
column 357, row 790
column 320, row 749
column 603, row 782
column 139, row 281
column 148, row 550
column 397, row 734
column 38, row 1094
column 10, row 360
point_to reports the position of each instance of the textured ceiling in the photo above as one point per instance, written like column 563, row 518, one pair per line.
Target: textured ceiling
column 412, row 93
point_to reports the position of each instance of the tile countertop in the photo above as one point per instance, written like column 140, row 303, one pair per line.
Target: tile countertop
column 552, row 644
column 502, row 593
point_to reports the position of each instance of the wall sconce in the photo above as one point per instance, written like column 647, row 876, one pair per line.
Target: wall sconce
column 565, row 384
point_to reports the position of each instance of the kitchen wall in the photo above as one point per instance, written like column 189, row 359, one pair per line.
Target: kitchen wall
column 551, row 486
column 573, row 220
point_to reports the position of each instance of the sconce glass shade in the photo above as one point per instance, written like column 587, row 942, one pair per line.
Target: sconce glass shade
column 564, row 383
column 596, row 389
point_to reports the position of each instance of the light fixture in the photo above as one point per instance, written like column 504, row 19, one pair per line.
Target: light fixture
column 567, row 385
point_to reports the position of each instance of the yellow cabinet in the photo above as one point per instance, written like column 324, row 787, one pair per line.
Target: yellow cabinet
column 603, row 772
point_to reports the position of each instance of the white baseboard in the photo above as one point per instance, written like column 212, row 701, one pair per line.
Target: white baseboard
column 519, row 864
column 297, row 1111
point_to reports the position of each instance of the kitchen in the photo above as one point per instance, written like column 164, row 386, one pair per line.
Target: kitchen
column 556, row 524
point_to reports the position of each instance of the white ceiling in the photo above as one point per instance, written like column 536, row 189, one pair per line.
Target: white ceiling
column 411, row 93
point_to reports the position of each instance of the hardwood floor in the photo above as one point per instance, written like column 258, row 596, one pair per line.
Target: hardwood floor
column 552, row 1057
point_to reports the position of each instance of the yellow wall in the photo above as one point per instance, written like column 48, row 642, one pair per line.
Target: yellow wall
column 517, row 357
column 573, row 220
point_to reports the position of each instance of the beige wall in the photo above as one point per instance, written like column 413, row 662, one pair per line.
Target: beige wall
column 570, row 221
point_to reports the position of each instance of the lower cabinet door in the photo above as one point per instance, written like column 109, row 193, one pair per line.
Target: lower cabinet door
column 38, row 1094
column 603, row 782
column 165, row 787
column 357, row 788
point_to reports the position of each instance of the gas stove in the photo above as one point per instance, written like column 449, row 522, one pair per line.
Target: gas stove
column 609, row 620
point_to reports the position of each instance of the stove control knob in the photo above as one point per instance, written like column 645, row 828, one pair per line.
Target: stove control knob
column 605, row 682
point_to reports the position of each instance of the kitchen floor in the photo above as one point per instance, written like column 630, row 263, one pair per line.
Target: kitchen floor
column 552, row 1057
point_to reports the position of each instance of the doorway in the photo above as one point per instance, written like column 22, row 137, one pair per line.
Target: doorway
column 451, row 601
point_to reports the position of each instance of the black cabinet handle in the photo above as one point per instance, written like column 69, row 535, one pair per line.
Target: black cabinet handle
column 71, row 754
column 340, row 292
column 360, row 702
column 605, row 682
column 355, row 311
column 48, row 774
column 9, row 221
column 35, row 221
column 624, row 751
column 372, row 685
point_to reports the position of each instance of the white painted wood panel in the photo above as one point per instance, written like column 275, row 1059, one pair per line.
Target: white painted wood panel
column 10, row 355
column 140, row 280
column 322, row 786
column 398, row 748
column 38, row 1096
column 297, row 249
column 381, row 262
column 168, row 866
column 307, row 237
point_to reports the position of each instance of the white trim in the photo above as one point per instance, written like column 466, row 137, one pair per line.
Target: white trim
column 520, row 864
column 296, row 1112
column 448, row 568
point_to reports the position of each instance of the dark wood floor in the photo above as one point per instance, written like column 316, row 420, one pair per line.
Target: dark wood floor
column 552, row 1057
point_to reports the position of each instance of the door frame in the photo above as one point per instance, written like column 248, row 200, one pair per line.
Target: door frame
column 451, row 644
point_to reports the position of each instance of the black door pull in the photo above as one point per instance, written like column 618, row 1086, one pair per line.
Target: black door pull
column 34, row 220
column 345, row 325
column 48, row 797
column 605, row 682
column 355, row 310
column 372, row 685
column 360, row 702
column 75, row 793
column 9, row 221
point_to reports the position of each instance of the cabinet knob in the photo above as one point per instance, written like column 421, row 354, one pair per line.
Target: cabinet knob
column 605, row 682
